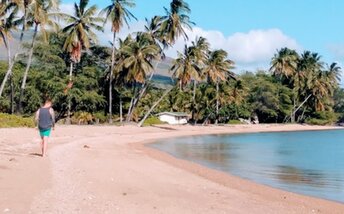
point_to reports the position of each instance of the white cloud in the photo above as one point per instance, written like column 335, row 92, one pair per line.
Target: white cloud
column 250, row 50
column 337, row 50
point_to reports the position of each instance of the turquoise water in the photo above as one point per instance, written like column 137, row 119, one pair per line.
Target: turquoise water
column 308, row 162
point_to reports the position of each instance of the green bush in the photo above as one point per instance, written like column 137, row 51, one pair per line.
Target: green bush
column 82, row 118
column 318, row 122
column 10, row 121
column 100, row 116
column 152, row 121
column 322, row 118
column 234, row 122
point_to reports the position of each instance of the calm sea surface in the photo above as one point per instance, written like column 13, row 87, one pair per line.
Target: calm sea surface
column 310, row 162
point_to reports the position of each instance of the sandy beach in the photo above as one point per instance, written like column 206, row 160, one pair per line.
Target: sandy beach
column 108, row 169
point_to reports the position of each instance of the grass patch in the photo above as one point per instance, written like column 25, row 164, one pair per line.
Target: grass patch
column 234, row 122
column 153, row 121
column 11, row 121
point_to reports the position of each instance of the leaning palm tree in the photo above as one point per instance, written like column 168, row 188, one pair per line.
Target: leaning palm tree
column 152, row 35
column 39, row 15
column 8, row 22
column 137, row 59
column 80, row 35
column 218, row 68
column 172, row 27
column 305, row 79
column 117, row 13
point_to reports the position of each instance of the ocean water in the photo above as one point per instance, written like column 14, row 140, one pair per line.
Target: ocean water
column 307, row 162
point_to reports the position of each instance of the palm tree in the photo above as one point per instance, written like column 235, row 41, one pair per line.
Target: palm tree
column 39, row 16
column 176, row 19
column 306, row 77
column 118, row 14
column 199, row 51
column 323, row 83
column 172, row 27
column 284, row 63
column 137, row 58
column 185, row 69
column 153, row 36
column 218, row 67
column 8, row 22
column 80, row 35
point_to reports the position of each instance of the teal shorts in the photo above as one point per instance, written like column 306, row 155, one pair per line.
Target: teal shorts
column 45, row 133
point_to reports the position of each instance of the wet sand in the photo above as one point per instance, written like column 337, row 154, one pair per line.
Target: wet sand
column 108, row 169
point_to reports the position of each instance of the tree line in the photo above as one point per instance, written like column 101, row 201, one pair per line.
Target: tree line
column 88, row 81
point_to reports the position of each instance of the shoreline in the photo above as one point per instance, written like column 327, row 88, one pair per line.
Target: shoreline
column 221, row 177
column 119, row 171
column 231, row 181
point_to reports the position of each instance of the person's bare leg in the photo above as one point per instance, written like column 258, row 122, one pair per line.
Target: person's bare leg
column 44, row 145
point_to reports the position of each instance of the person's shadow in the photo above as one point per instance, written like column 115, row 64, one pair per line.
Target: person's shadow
column 36, row 154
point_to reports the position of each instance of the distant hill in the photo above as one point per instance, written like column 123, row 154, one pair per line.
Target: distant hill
column 14, row 43
column 161, row 72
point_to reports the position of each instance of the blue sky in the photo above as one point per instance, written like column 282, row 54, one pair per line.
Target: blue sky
column 252, row 30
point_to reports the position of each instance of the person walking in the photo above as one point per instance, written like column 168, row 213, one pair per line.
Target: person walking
column 45, row 120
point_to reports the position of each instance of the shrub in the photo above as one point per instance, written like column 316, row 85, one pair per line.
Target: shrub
column 322, row 118
column 234, row 122
column 318, row 122
column 82, row 118
column 153, row 121
column 100, row 116
column 9, row 121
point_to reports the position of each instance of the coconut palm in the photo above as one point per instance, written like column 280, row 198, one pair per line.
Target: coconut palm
column 39, row 15
column 175, row 21
column 80, row 35
column 118, row 14
column 137, row 59
column 153, row 36
column 172, row 27
column 323, row 83
column 185, row 69
column 8, row 23
column 284, row 63
column 218, row 68
column 199, row 52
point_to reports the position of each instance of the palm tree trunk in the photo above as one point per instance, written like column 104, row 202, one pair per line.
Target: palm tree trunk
column 153, row 107
column 302, row 115
column 9, row 62
column 28, row 65
column 111, row 76
column 292, row 117
column 309, row 96
column 24, row 24
column 12, row 93
column 194, row 102
column 217, row 102
column 68, row 120
column 130, row 111
column 120, row 108
column 143, row 90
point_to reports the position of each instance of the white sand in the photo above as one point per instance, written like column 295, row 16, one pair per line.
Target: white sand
column 118, row 174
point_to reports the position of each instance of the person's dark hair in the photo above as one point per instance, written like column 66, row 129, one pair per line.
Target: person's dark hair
column 48, row 100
